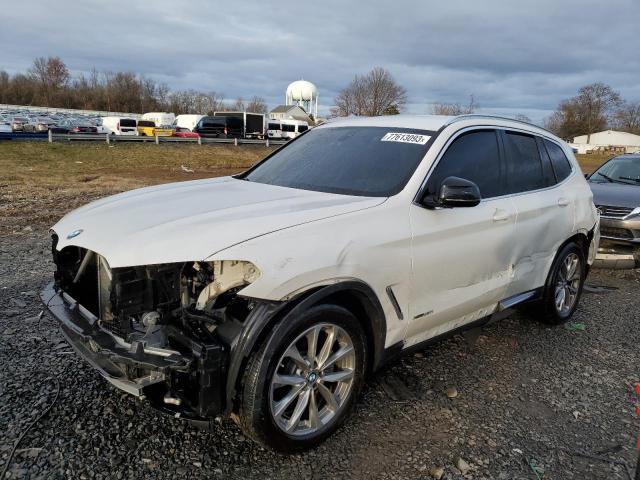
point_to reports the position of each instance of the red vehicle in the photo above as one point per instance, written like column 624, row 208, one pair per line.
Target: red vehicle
column 184, row 133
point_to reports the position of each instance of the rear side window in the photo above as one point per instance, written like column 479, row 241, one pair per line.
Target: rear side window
column 547, row 169
column 288, row 128
column 524, row 168
column 473, row 156
column 127, row 122
column 559, row 160
column 146, row 123
column 302, row 128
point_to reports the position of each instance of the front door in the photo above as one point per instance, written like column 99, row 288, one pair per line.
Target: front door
column 461, row 256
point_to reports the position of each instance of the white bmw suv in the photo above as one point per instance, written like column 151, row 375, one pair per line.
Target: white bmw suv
column 270, row 295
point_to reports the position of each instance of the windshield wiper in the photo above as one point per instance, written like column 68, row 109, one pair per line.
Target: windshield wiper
column 636, row 180
column 606, row 177
column 616, row 180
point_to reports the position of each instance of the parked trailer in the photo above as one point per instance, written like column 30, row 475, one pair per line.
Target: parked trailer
column 253, row 123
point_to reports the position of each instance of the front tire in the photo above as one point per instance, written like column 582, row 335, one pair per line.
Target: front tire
column 563, row 288
column 303, row 382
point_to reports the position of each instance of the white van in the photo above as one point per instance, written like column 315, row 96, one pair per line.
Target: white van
column 187, row 122
column 279, row 129
column 293, row 128
column 161, row 119
column 119, row 126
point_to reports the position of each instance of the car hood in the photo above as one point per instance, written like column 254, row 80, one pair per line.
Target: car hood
column 615, row 194
column 189, row 221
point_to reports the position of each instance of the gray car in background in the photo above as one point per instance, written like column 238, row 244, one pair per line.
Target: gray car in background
column 616, row 194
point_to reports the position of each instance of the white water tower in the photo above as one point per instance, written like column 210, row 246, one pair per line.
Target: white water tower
column 304, row 94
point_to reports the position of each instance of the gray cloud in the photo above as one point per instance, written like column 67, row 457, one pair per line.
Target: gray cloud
column 513, row 56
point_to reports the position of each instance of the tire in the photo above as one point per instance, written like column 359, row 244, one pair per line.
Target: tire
column 269, row 408
column 549, row 310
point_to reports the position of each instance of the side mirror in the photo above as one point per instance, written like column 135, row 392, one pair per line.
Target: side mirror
column 455, row 192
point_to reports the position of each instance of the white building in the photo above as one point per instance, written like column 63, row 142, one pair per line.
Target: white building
column 289, row 112
column 609, row 139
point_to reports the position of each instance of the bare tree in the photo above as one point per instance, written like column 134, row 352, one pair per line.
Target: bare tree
column 455, row 108
column 51, row 74
column 375, row 93
column 597, row 101
column 238, row 105
column 256, row 105
column 591, row 110
column 627, row 117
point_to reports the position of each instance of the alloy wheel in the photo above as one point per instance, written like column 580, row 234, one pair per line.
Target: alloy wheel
column 313, row 380
column 568, row 283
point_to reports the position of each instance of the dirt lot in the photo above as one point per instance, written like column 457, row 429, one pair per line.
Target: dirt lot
column 532, row 401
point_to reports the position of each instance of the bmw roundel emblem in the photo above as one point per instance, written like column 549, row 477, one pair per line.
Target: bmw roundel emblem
column 74, row 234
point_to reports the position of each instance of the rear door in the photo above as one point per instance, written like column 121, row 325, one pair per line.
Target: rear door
column 461, row 256
column 545, row 214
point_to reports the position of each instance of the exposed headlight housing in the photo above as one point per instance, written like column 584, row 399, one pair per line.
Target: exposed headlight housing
column 209, row 280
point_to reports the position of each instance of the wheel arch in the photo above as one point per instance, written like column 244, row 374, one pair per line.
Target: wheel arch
column 353, row 295
column 582, row 239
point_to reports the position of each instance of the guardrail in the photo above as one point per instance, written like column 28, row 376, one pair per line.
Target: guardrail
column 109, row 139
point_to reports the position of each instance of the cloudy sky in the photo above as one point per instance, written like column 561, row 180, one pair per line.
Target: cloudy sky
column 513, row 56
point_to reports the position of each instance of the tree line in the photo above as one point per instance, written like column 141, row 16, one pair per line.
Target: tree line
column 48, row 83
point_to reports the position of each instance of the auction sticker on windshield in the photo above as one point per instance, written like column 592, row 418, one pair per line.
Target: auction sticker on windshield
column 405, row 138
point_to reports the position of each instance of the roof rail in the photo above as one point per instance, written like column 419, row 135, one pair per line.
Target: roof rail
column 495, row 117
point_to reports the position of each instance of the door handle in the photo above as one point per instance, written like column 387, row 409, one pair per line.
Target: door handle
column 563, row 202
column 500, row 215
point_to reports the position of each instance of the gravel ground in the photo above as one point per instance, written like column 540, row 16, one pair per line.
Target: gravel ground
column 496, row 403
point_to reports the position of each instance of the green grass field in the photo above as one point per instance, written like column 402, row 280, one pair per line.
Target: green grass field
column 39, row 182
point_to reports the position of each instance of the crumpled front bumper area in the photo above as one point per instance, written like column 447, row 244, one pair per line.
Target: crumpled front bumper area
column 189, row 384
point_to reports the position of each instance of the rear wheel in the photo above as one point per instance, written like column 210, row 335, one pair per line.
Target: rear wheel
column 564, row 286
column 301, row 385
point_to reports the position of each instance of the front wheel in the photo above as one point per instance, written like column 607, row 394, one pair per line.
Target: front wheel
column 564, row 286
column 301, row 385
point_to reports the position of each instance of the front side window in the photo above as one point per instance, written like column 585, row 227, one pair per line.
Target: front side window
column 364, row 161
column 274, row 126
column 524, row 167
column 473, row 156
column 561, row 165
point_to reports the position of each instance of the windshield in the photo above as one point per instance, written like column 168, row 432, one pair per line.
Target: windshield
column 619, row 170
column 364, row 161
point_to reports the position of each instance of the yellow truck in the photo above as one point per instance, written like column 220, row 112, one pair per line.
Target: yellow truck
column 147, row 128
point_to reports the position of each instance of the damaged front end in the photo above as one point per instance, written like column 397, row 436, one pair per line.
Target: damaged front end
column 163, row 332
